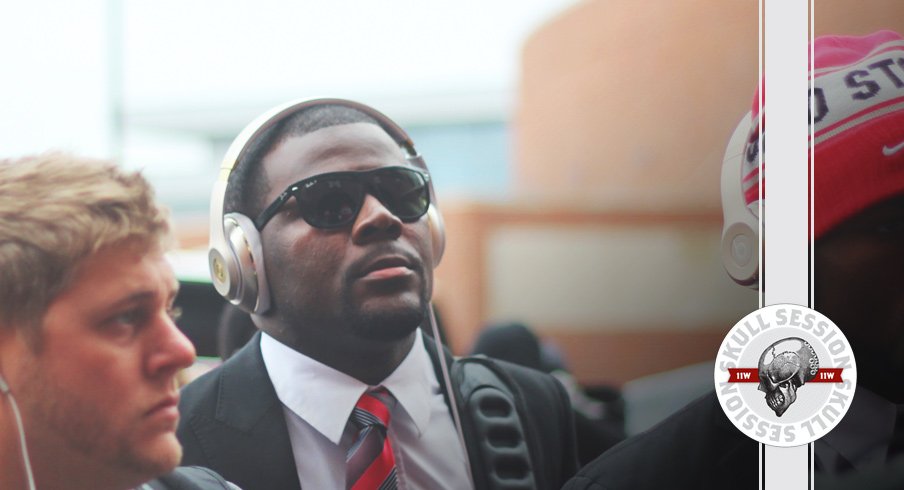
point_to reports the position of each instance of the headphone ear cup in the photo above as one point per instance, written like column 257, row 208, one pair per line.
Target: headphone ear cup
column 740, row 253
column 253, row 294
column 740, row 237
column 437, row 233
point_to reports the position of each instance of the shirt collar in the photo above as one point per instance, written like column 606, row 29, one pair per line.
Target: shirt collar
column 325, row 397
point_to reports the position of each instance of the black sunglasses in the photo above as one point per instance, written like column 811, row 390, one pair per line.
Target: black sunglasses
column 333, row 200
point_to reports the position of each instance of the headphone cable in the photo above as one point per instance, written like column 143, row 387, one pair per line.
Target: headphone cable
column 441, row 353
column 26, row 462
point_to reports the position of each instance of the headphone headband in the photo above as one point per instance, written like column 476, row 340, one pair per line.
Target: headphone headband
column 277, row 114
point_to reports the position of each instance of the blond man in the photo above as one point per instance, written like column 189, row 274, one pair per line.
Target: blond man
column 89, row 349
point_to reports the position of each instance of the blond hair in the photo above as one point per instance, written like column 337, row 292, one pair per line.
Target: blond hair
column 57, row 209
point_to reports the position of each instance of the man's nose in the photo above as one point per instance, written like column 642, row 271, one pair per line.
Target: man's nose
column 170, row 349
column 375, row 221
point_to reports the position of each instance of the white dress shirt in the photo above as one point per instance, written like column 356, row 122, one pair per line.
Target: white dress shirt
column 318, row 400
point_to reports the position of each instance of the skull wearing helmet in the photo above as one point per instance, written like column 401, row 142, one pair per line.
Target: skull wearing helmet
column 784, row 367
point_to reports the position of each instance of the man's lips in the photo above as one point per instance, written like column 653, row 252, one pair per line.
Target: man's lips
column 169, row 406
column 387, row 267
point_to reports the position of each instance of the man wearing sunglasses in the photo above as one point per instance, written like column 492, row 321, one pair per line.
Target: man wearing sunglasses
column 326, row 231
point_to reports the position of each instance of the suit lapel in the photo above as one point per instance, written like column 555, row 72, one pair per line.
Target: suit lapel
column 246, row 394
column 430, row 345
column 247, row 404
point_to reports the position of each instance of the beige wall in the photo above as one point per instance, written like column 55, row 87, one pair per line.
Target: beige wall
column 625, row 107
column 858, row 18
column 609, row 277
column 632, row 106
column 631, row 103
column 622, row 294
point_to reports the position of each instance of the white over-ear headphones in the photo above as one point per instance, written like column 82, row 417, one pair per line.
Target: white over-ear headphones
column 740, row 237
column 236, row 256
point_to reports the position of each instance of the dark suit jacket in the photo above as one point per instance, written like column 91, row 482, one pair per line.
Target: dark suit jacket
column 696, row 448
column 233, row 423
column 189, row 478
column 699, row 448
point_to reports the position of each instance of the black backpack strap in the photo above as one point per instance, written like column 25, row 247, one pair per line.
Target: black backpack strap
column 189, row 478
column 492, row 417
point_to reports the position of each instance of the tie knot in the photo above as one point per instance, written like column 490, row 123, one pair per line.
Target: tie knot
column 374, row 408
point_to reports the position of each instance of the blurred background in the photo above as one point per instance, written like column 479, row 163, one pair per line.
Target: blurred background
column 575, row 144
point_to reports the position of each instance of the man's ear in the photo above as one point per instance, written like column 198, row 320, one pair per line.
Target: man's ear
column 15, row 339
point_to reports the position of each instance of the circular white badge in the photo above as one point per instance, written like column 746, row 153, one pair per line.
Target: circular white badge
column 785, row 375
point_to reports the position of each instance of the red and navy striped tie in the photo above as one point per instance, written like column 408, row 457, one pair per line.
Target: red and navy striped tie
column 370, row 464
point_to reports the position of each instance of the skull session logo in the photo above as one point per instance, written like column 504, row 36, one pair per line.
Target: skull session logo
column 782, row 373
column 785, row 375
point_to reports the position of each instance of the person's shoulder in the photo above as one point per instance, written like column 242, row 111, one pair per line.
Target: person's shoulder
column 542, row 395
column 204, row 388
column 531, row 380
column 200, row 389
column 692, row 448
column 190, row 478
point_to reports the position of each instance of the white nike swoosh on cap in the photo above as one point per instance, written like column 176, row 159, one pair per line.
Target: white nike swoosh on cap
column 894, row 149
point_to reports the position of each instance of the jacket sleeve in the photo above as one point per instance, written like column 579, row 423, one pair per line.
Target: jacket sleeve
column 190, row 478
